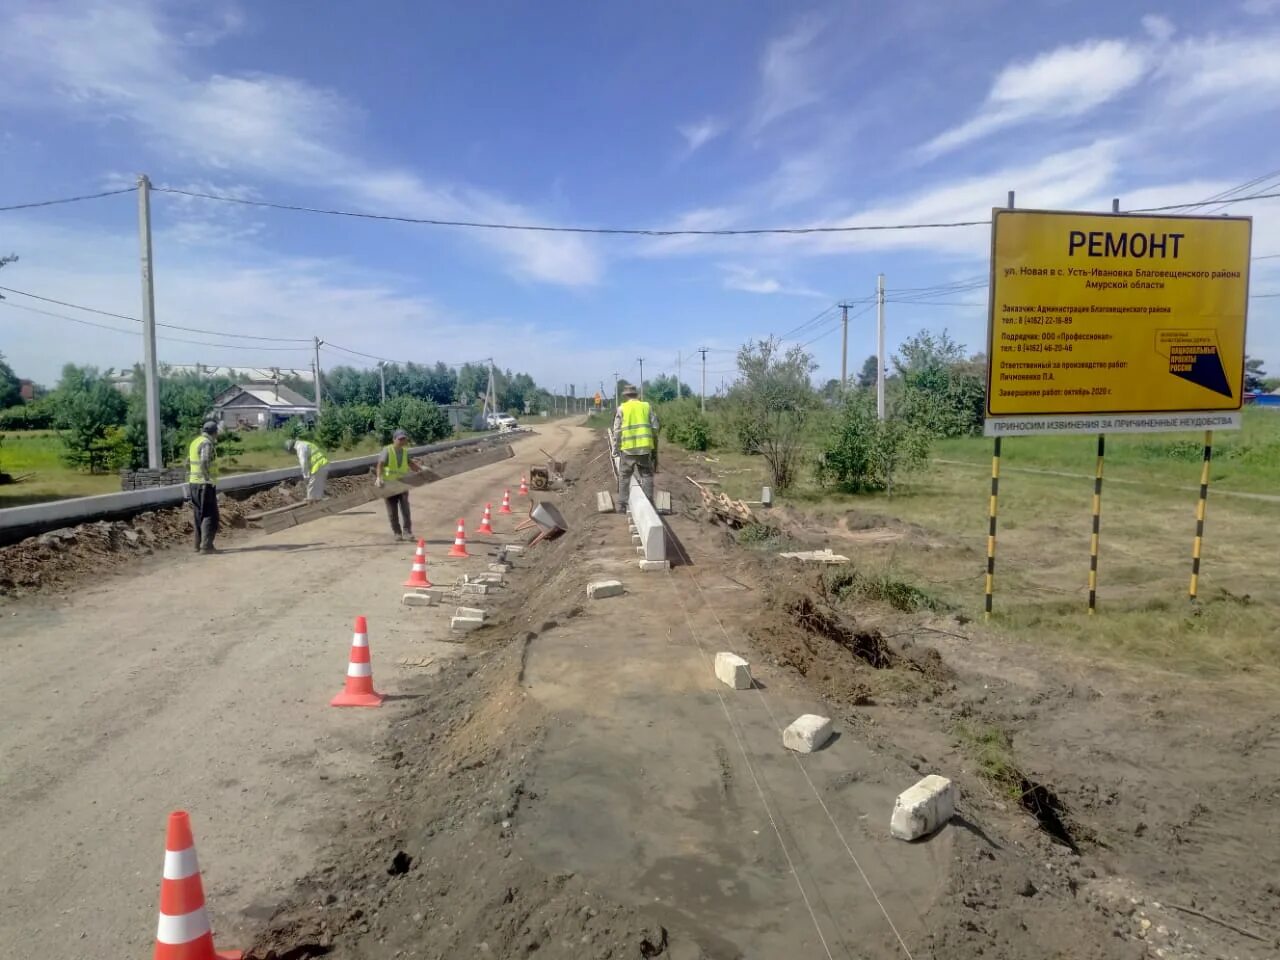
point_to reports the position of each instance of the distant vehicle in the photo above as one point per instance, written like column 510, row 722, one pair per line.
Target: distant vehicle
column 501, row 421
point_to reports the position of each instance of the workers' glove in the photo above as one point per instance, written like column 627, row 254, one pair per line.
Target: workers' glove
column 379, row 482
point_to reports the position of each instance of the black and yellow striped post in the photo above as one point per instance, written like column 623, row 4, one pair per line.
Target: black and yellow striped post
column 1204, row 494
column 1097, row 525
column 991, row 525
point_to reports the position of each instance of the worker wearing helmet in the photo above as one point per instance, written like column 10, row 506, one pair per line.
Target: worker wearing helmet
column 314, row 464
column 202, row 485
column 635, row 444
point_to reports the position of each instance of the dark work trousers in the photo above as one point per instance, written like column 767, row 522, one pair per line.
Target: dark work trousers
column 400, row 501
column 204, row 504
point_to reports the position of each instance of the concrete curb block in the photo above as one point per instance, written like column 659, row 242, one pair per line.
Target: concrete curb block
column 733, row 671
column 650, row 566
column 603, row 589
column 807, row 734
column 923, row 808
column 604, row 502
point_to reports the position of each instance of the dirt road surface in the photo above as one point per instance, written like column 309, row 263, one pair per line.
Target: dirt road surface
column 203, row 683
column 571, row 782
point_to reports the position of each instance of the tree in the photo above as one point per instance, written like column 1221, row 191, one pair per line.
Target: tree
column 665, row 388
column 1254, row 375
column 10, row 388
column 90, row 413
column 867, row 375
column 770, row 404
column 942, row 391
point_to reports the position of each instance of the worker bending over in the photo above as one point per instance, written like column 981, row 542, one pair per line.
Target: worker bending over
column 202, row 489
column 394, row 463
column 314, row 464
column 635, row 433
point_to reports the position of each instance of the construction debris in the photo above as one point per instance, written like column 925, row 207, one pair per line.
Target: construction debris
column 733, row 512
column 807, row 734
column 602, row 589
column 924, row 808
column 733, row 671
column 815, row 556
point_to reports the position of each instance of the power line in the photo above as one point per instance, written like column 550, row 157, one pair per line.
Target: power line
column 132, row 333
column 52, row 203
column 546, row 228
column 647, row 232
column 170, row 326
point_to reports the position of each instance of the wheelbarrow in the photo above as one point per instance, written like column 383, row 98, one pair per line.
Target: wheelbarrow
column 541, row 477
column 548, row 520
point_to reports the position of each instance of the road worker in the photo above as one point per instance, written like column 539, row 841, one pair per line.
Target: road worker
column 635, row 444
column 202, row 489
column 394, row 463
column 314, row 464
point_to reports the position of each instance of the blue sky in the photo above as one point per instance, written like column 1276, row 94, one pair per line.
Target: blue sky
column 665, row 114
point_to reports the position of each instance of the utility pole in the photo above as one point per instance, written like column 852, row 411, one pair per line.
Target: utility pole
column 880, row 346
column 617, row 385
column 703, row 351
column 316, row 368
column 641, row 359
column 382, row 376
column 155, row 456
column 678, row 394
column 844, row 348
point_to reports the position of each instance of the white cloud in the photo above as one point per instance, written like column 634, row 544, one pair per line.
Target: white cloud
column 1159, row 28
column 698, row 135
column 122, row 60
column 750, row 280
column 1226, row 73
column 244, row 290
column 1066, row 82
column 788, row 73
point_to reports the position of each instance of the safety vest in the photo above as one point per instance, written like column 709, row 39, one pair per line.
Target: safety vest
column 318, row 459
column 195, row 474
column 637, row 431
column 391, row 470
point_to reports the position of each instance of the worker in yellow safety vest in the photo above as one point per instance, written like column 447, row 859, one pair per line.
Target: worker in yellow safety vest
column 635, row 444
column 393, row 463
column 314, row 464
column 202, row 489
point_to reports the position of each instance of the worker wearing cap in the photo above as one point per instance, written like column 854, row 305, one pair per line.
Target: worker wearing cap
column 202, row 489
column 635, row 444
column 394, row 463
column 314, row 464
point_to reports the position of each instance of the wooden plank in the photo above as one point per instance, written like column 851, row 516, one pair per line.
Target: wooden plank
column 296, row 514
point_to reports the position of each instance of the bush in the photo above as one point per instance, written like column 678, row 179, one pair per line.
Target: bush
column 684, row 425
column 423, row 420
column 37, row 415
column 866, row 453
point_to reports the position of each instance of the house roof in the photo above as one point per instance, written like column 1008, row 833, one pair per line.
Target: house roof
column 267, row 395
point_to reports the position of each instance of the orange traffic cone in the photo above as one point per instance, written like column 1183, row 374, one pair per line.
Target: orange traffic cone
column 418, row 573
column 183, row 932
column 506, row 502
column 485, row 526
column 459, row 548
column 524, row 488
column 358, row 691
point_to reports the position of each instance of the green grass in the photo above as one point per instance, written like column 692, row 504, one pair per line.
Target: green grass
column 40, row 452
column 1246, row 460
column 992, row 751
column 931, row 537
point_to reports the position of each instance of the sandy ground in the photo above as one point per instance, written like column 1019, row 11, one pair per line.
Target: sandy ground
column 203, row 683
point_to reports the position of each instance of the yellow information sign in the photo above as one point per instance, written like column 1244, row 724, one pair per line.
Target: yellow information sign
column 1096, row 317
